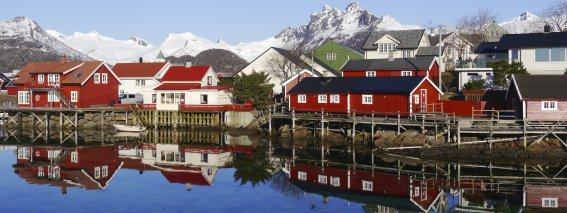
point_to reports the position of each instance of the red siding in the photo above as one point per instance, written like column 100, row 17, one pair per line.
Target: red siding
column 386, row 104
column 534, row 195
column 534, row 110
column 12, row 90
column 432, row 98
column 312, row 104
column 434, row 74
column 104, row 94
column 296, row 81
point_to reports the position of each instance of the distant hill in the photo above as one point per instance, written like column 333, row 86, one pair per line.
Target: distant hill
column 222, row 61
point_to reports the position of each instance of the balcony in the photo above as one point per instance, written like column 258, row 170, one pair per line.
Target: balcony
column 477, row 63
column 42, row 87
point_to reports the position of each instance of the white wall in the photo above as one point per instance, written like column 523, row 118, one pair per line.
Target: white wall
column 483, row 73
column 193, row 97
column 260, row 65
column 129, row 85
column 216, row 159
column 527, row 56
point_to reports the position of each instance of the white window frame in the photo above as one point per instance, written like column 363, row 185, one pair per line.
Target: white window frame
column 416, row 99
column 40, row 172
column 96, row 78
column 74, row 157
column 550, row 201
column 52, row 96
column 140, row 82
column 104, row 171
column 97, row 172
column 23, row 97
column 405, row 54
column 367, row 185
column 406, row 73
column 104, row 78
column 370, row 73
column 40, row 78
column 74, row 96
column 386, row 47
column 322, row 99
column 335, row 99
column 331, row 56
column 322, row 179
column 336, row 181
column 367, row 99
column 301, row 175
column 302, row 99
column 416, row 191
column 549, row 105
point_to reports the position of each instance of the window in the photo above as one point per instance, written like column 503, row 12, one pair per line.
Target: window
column 406, row 73
column 335, row 99
column 366, row 99
column 549, row 54
column 205, row 157
column 154, row 98
column 370, row 73
column 40, row 78
column 74, row 157
column 416, row 191
column 406, row 54
column 52, row 96
column 367, row 185
column 74, row 96
column 301, row 99
column 515, row 54
column 209, row 80
column 97, row 172
column 204, row 99
column 386, row 47
column 105, row 78
column 104, row 171
column 331, row 56
column 322, row 179
column 23, row 97
column 549, row 202
column 549, row 105
column 336, row 181
column 322, row 99
column 97, row 78
column 40, row 172
column 416, row 99
column 301, row 175
column 53, row 79
column 140, row 83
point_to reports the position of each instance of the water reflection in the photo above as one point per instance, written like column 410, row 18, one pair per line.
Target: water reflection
column 307, row 174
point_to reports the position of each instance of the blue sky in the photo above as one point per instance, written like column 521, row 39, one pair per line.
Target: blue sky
column 234, row 21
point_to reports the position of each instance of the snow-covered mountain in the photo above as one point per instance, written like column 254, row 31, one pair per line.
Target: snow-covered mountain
column 527, row 22
column 23, row 40
column 348, row 27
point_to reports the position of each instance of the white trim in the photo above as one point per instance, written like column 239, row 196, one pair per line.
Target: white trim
column 104, row 78
column 364, row 102
column 320, row 99
column 390, row 37
column 554, row 108
column 513, row 81
column 96, row 69
column 76, row 99
column 432, row 84
column 73, row 68
column 304, row 101
column 556, row 203
column 405, row 72
column 297, row 75
column 524, row 111
column 109, row 179
column 369, row 183
column 338, row 101
column 165, row 68
column 370, row 72
column 348, row 103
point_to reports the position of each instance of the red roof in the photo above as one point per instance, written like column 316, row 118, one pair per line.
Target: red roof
column 178, row 86
column 194, row 177
column 179, row 73
column 125, row 70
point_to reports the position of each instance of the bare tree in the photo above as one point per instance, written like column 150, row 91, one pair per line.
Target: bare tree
column 286, row 62
column 476, row 23
column 556, row 15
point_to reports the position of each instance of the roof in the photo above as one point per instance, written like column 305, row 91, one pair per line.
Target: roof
column 79, row 70
column 178, row 86
column 388, row 85
column 24, row 75
column 292, row 57
column 489, row 47
column 79, row 75
column 555, row 39
column 419, row 63
column 182, row 73
column 429, row 51
column 326, row 67
column 126, row 70
column 58, row 68
column 541, row 86
column 409, row 39
column 434, row 39
column 4, row 78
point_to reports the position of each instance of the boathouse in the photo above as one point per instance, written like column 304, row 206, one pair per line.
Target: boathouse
column 184, row 87
column 538, row 97
column 421, row 66
column 77, row 84
column 362, row 95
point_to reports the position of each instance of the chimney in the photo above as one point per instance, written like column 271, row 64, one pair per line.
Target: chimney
column 63, row 59
column 140, row 60
column 432, row 32
column 188, row 64
column 391, row 56
column 546, row 28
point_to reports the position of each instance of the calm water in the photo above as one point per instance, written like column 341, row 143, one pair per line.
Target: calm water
column 200, row 171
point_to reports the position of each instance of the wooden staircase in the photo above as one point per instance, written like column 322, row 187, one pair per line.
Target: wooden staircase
column 141, row 119
column 62, row 98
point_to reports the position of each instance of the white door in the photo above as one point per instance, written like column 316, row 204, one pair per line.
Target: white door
column 423, row 96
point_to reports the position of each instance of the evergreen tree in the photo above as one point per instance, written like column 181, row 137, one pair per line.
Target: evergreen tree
column 255, row 86
column 504, row 71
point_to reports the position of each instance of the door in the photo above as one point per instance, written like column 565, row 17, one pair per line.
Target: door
column 423, row 95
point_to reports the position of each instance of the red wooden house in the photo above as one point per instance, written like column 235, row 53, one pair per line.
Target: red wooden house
column 538, row 97
column 404, row 193
column 66, row 84
column 421, row 66
column 361, row 95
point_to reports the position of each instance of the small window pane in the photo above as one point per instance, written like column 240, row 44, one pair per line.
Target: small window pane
column 542, row 54
column 557, row 54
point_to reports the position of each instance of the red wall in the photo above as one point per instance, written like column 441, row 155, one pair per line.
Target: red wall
column 12, row 90
column 384, row 104
column 434, row 73
column 98, row 94
column 461, row 108
column 535, row 193
column 432, row 97
column 290, row 85
column 312, row 104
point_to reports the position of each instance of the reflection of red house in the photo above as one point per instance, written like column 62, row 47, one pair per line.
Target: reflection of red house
column 549, row 196
column 87, row 167
column 419, row 193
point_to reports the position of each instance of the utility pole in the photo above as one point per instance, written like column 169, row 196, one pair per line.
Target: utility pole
column 440, row 54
